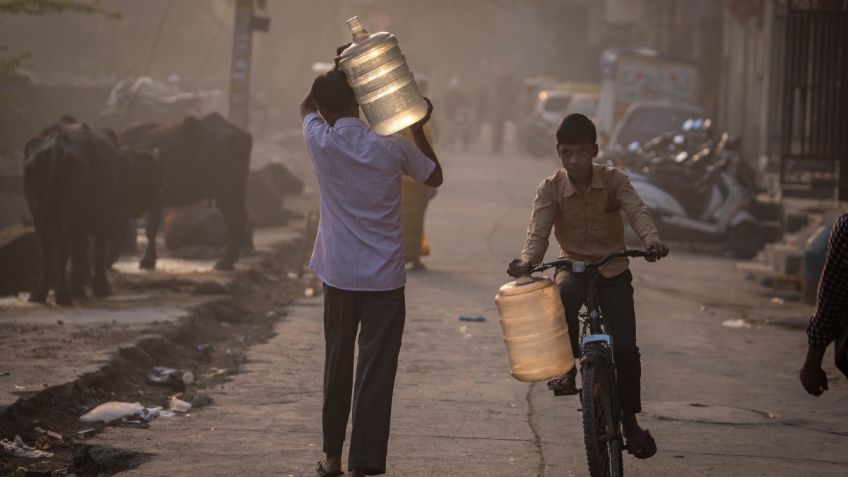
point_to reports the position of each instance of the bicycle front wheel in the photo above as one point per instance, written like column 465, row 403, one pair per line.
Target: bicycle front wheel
column 600, row 426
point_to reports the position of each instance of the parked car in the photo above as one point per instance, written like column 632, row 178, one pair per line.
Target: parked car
column 536, row 132
column 584, row 103
column 645, row 120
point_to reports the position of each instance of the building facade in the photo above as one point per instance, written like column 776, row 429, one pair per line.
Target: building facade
column 784, row 90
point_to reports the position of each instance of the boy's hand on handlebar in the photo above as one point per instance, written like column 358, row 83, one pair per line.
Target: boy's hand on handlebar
column 518, row 268
column 657, row 250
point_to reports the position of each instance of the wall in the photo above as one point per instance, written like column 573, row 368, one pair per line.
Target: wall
column 744, row 79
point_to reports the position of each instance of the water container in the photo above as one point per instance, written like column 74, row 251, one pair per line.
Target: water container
column 384, row 86
column 534, row 329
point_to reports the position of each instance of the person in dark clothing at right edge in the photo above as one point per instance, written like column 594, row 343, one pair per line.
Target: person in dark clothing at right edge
column 830, row 321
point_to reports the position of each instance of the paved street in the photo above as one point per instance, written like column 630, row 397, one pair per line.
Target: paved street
column 726, row 114
column 720, row 401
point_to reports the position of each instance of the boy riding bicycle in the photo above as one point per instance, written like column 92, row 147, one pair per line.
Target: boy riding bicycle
column 582, row 203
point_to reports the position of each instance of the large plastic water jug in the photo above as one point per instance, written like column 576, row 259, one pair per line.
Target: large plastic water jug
column 534, row 329
column 384, row 86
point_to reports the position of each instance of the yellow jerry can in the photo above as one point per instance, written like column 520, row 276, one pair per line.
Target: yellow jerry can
column 534, row 329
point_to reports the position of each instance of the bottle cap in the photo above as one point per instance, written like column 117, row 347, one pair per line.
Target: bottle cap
column 356, row 28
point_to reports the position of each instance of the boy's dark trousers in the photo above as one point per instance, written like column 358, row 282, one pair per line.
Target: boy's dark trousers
column 615, row 298
column 379, row 317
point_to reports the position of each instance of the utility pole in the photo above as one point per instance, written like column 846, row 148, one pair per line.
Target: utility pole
column 245, row 23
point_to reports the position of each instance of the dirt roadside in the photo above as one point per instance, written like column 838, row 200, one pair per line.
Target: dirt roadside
column 201, row 322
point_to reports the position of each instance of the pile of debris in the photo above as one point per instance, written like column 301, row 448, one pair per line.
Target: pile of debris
column 796, row 261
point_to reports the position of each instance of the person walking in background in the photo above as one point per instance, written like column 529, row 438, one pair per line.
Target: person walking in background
column 505, row 97
column 830, row 321
column 358, row 255
column 460, row 123
column 415, row 197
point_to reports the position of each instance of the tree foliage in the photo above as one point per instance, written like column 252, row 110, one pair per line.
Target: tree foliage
column 44, row 7
column 9, row 65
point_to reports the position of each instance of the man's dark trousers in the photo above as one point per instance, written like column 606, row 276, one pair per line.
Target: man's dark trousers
column 615, row 298
column 379, row 317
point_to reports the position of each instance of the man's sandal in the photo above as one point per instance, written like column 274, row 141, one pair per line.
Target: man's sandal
column 324, row 472
column 641, row 447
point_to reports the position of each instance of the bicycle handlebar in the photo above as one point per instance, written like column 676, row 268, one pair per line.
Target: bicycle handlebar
column 579, row 267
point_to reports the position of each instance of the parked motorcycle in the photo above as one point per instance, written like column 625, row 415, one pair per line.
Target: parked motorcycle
column 695, row 135
column 697, row 197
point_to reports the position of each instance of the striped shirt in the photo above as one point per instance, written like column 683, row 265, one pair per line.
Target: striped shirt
column 359, row 243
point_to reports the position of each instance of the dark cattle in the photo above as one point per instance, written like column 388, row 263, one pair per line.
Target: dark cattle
column 201, row 158
column 266, row 189
column 79, row 186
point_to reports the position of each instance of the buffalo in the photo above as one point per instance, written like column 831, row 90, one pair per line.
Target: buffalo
column 201, row 158
column 79, row 186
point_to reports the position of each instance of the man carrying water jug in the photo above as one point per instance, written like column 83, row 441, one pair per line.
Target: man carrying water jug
column 358, row 256
column 582, row 204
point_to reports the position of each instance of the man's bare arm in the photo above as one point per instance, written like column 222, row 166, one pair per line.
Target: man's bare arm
column 423, row 145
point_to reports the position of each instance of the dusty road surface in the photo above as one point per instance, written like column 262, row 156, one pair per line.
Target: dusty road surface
column 57, row 363
column 720, row 401
column 45, row 345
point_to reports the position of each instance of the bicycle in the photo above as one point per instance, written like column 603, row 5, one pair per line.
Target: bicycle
column 598, row 395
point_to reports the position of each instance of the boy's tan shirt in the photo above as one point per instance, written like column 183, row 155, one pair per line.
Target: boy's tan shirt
column 587, row 226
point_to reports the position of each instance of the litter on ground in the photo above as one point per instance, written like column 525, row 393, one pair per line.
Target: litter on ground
column 17, row 448
column 114, row 410
column 472, row 318
column 178, row 378
column 178, row 405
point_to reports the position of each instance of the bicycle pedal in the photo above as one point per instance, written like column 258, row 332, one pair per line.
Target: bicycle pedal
column 564, row 393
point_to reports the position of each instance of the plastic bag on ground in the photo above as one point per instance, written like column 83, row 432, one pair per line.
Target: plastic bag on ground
column 112, row 411
column 174, row 377
column 737, row 323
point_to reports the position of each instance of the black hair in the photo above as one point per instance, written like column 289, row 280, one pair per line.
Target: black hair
column 576, row 129
column 332, row 93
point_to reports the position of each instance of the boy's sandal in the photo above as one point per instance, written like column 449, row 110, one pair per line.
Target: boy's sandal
column 563, row 385
column 642, row 447
column 324, row 472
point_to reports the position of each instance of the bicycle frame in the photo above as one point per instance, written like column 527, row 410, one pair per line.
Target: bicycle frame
column 594, row 326
column 592, row 320
column 596, row 344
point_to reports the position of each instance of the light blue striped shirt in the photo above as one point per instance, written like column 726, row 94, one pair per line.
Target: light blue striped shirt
column 359, row 242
